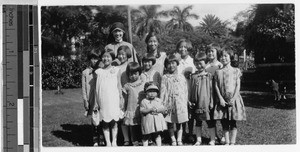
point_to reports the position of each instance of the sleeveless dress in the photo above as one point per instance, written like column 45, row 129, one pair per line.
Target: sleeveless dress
column 175, row 97
column 107, row 94
column 226, row 79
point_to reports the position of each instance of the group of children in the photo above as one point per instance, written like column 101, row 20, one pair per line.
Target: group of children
column 143, row 98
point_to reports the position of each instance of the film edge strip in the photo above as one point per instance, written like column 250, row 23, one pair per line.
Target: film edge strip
column 20, row 78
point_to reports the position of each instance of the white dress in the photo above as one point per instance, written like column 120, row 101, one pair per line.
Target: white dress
column 107, row 94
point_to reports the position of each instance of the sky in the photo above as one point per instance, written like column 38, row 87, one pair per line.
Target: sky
column 225, row 12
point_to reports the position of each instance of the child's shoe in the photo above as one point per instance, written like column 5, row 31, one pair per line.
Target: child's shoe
column 179, row 143
column 198, row 143
column 174, row 143
column 222, row 140
column 212, row 143
column 126, row 143
column 95, row 144
column 135, row 143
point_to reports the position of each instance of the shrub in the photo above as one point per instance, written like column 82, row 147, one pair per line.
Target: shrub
column 65, row 73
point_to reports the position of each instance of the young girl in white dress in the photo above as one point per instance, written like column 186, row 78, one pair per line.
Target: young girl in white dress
column 109, row 97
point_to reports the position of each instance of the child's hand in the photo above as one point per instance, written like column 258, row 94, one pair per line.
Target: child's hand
column 86, row 105
column 230, row 103
column 153, row 111
column 211, row 106
column 222, row 102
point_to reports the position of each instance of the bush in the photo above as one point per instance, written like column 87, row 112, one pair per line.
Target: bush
column 65, row 73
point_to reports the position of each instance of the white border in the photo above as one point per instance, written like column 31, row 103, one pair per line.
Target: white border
column 245, row 148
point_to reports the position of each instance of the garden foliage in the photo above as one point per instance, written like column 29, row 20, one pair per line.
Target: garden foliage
column 65, row 73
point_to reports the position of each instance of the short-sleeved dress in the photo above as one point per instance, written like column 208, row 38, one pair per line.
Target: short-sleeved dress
column 107, row 94
column 226, row 79
column 175, row 97
column 152, row 75
column 152, row 123
column 201, row 95
column 133, row 94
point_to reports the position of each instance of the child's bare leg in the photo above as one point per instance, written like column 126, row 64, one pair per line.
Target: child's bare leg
column 226, row 135
column 225, row 126
column 233, row 129
column 158, row 139
column 145, row 140
column 212, row 131
column 171, row 132
column 114, row 134
column 212, row 135
column 198, row 135
column 233, row 136
column 179, row 134
column 107, row 136
column 125, row 134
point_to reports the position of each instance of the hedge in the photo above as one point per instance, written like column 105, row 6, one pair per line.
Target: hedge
column 65, row 73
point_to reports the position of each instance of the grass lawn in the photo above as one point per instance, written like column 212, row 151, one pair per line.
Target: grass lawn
column 268, row 122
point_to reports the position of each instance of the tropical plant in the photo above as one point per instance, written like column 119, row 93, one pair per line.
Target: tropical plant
column 271, row 33
column 146, row 19
column 213, row 26
column 61, row 24
column 88, row 25
column 180, row 18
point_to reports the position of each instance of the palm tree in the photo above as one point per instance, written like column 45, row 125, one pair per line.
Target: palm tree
column 180, row 17
column 213, row 26
column 146, row 19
